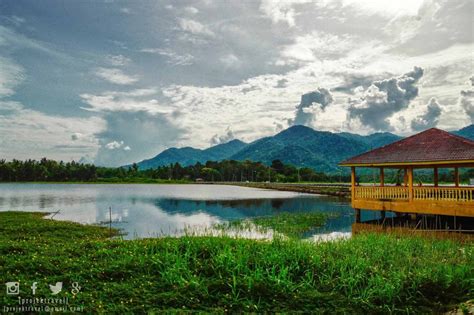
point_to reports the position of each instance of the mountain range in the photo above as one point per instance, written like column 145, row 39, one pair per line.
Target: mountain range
column 298, row 145
column 190, row 156
column 466, row 132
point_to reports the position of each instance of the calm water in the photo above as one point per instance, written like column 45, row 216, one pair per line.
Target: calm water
column 153, row 210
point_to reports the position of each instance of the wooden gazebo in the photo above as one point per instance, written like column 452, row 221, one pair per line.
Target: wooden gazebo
column 431, row 149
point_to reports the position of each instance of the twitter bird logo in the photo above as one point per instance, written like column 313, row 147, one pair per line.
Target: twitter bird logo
column 55, row 289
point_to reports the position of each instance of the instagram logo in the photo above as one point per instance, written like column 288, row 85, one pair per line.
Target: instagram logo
column 13, row 288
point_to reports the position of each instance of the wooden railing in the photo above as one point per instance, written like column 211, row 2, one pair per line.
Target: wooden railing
column 419, row 193
column 380, row 193
column 444, row 193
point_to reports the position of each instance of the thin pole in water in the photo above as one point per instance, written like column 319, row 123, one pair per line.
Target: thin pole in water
column 110, row 220
column 54, row 213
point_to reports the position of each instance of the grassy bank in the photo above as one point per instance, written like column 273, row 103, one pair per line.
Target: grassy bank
column 370, row 273
column 339, row 191
column 289, row 224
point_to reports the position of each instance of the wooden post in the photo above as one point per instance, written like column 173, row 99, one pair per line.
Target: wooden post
column 353, row 188
column 110, row 220
column 456, row 176
column 382, row 177
column 435, row 178
column 353, row 182
column 410, row 184
column 357, row 215
column 405, row 178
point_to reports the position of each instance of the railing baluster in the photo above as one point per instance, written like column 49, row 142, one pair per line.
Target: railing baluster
column 465, row 194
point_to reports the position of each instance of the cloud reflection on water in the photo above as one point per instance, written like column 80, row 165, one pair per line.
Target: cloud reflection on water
column 156, row 210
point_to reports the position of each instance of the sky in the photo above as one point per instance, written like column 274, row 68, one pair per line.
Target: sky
column 114, row 82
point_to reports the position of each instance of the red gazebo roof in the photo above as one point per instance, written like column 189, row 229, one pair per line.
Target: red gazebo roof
column 432, row 145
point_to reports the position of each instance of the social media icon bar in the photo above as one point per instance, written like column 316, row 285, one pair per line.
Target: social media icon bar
column 13, row 288
column 55, row 289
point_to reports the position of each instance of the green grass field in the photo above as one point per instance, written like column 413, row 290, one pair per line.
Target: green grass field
column 370, row 273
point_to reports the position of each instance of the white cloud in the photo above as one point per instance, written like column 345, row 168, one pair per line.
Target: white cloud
column 212, row 109
column 467, row 100
column 172, row 57
column 384, row 7
column 191, row 10
column 316, row 46
column 116, row 76
column 133, row 101
column 118, row 60
column 147, row 133
column 15, row 41
column 117, row 145
column 125, row 10
column 15, row 20
column 31, row 134
column 281, row 10
column 10, row 106
column 405, row 27
column 11, row 75
column 286, row 49
column 231, row 61
column 195, row 27
column 114, row 145
column 134, row 93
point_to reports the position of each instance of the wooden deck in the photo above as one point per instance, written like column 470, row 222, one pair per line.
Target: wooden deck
column 453, row 201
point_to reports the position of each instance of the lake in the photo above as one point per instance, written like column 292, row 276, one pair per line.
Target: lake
column 156, row 210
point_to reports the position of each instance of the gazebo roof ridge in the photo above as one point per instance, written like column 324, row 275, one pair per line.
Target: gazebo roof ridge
column 431, row 145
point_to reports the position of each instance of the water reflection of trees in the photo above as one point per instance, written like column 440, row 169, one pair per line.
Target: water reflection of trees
column 238, row 208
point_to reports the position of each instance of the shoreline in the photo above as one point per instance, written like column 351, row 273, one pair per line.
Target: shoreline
column 329, row 189
column 336, row 190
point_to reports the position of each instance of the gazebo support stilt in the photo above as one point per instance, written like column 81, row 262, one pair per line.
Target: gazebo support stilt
column 357, row 215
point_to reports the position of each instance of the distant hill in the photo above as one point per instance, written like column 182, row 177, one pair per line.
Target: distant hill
column 303, row 146
column 374, row 140
column 298, row 145
column 189, row 156
column 466, row 132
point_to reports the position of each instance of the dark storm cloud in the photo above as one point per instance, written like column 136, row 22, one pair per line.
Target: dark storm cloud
column 320, row 97
column 133, row 136
column 467, row 100
column 428, row 119
column 385, row 98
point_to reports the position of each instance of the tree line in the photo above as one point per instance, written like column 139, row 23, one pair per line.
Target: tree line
column 226, row 171
column 46, row 170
